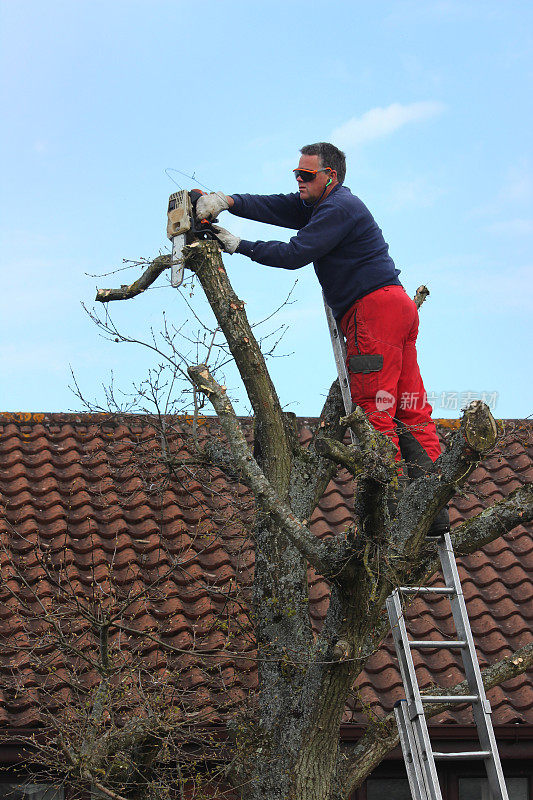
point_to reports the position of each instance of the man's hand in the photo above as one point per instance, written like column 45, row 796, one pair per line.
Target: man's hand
column 209, row 206
column 229, row 242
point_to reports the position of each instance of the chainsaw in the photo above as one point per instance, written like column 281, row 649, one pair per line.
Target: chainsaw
column 183, row 228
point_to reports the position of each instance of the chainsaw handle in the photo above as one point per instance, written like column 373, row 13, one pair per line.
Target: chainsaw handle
column 195, row 195
column 203, row 228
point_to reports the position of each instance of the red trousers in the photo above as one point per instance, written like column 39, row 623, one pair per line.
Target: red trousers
column 381, row 330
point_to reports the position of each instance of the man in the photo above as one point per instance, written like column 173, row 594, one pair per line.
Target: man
column 337, row 233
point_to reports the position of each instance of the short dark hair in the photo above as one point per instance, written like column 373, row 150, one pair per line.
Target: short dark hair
column 329, row 156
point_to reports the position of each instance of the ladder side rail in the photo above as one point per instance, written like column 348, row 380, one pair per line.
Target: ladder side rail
column 339, row 352
column 414, row 703
column 481, row 709
column 413, row 767
column 403, row 652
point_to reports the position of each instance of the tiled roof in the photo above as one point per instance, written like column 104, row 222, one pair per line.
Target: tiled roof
column 89, row 492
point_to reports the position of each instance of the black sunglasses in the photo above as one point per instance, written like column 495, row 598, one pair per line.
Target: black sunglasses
column 308, row 175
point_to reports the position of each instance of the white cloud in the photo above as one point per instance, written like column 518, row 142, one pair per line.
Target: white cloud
column 379, row 122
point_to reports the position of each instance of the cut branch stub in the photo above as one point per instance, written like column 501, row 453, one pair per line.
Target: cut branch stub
column 421, row 293
column 341, row 650
column 339, row 453
column 358, row 462
column 480, row 429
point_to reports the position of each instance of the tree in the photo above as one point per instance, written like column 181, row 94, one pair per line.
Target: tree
column 287, row 746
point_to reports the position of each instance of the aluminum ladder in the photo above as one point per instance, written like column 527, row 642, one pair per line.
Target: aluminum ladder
column 414, row 736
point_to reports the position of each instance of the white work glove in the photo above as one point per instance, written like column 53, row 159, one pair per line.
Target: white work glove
column 229, row 242
column 209, row 206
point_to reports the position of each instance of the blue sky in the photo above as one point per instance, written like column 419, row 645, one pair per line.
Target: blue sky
column 431, row 101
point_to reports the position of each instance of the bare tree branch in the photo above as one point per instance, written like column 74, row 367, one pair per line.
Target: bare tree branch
column 126, row 292
column 503, row 516
column 253, row 476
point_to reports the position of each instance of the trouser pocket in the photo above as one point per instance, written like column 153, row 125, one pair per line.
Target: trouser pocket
column 365, row 363
column 366, row 371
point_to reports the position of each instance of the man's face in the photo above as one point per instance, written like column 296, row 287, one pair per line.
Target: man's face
column 311, row 191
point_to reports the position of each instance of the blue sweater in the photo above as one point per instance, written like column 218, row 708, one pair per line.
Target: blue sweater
column 340, row 237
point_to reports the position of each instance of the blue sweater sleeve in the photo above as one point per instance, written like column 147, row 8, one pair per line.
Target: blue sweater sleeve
column 326, row 229
column 285, row 210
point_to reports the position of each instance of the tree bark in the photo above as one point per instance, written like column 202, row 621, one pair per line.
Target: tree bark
column 127, row 291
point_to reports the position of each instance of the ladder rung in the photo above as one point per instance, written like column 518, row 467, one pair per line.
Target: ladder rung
column 449, row 698
column 463, row 754
column 440, row 645
column 427, row 589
